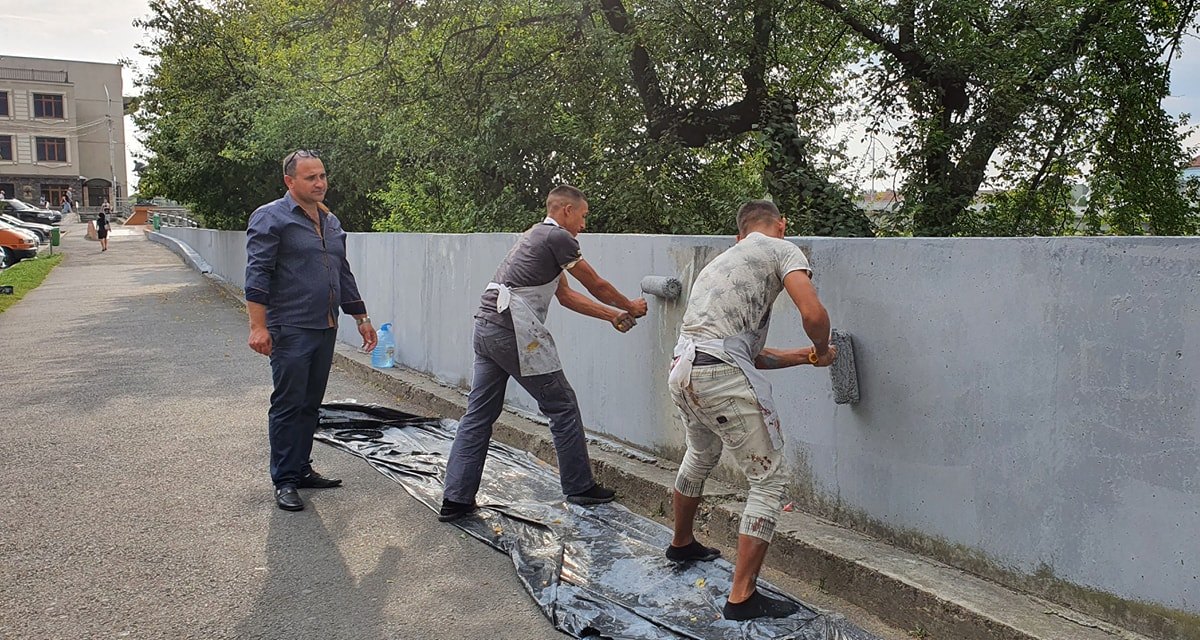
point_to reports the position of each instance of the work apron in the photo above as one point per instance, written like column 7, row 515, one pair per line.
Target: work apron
column 738, row 347
column 528, row 307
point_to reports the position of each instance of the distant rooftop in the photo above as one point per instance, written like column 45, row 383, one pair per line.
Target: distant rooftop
column 1195, row 163
column 37, row 75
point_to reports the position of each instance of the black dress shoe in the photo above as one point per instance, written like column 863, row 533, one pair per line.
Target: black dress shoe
column 452, row 510
column 288, row 498
column 315, row 480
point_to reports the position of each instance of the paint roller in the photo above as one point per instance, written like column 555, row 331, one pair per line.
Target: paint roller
column 662, row 286
column 843, row 372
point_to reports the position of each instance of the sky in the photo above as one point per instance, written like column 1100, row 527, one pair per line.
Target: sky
column 103, row 31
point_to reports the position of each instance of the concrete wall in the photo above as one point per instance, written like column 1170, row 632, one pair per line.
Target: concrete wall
column 1032, row 400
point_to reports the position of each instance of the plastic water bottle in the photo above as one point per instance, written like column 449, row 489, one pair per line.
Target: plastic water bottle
column 383, row 356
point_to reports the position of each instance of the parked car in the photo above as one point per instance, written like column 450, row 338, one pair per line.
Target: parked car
column 17, row 243
column 28, row 212
column 42, row 231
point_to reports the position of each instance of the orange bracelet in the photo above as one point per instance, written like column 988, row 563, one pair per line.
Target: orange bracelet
column 813, row 358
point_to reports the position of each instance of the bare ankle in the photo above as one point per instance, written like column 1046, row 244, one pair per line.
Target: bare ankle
column 740, row 595
column 682, row 540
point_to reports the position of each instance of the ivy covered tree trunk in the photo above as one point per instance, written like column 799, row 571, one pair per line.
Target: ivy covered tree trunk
column 814, row 205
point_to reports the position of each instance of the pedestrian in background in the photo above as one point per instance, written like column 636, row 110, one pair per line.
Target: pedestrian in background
column 297, row 277
column 102, row 228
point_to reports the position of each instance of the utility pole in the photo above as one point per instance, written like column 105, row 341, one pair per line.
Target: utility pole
column 112, row 166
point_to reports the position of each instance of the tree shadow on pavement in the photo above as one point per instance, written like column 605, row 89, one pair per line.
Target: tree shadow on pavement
column 310, row 592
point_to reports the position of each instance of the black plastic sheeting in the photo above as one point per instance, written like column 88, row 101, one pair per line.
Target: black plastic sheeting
column 596, row 572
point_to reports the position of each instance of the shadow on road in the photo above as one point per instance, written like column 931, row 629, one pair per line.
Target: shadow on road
column 309, row 591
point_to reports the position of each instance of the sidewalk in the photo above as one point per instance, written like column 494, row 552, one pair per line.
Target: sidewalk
column 910, row 592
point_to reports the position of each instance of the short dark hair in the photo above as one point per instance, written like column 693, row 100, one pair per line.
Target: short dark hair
column 292, row 159
column 755, row 213
column 561, row 193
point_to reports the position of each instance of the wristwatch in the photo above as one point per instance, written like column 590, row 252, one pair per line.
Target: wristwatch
column 363, row 320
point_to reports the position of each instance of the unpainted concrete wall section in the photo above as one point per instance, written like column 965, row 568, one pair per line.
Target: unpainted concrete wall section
column 1034, row 400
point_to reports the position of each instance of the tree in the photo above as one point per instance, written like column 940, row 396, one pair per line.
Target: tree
column 459, row 116
column 976, row 80
column 194, row 104
column 750, row 87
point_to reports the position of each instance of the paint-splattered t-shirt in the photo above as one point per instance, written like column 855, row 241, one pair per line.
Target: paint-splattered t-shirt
column 539, row 256
column 735, row 292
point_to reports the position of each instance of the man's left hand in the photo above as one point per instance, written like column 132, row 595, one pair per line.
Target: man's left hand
column 370, row 338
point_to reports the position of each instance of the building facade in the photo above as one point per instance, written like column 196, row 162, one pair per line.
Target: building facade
column 62, row 131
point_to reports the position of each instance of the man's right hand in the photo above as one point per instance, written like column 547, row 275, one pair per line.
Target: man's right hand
column 260, row 340
column 637, row 307
column 826, row 359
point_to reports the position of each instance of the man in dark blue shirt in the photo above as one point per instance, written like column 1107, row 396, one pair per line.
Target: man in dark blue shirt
column 297, row 277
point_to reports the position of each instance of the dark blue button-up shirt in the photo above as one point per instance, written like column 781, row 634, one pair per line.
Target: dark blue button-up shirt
column 301, row 277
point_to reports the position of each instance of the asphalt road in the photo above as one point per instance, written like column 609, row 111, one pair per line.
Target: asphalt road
column 135, row 501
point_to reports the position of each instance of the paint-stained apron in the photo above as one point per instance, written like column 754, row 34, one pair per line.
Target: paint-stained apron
column 528, row 307
column 738, row 347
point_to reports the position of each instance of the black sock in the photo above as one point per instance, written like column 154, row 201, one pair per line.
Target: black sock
column 759, row 606
column 693, row 551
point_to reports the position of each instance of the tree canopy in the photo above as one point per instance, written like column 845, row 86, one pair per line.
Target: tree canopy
column 457, row 116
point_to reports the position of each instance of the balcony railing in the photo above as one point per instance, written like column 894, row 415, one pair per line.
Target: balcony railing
column 36, row 75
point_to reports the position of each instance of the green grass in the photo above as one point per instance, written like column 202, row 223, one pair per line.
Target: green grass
column 25, row 276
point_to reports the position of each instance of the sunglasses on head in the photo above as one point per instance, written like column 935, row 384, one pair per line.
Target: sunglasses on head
column 289, row 163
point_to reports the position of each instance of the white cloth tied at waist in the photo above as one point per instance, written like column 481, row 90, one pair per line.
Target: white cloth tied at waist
column 503, row 295
column 685, row 357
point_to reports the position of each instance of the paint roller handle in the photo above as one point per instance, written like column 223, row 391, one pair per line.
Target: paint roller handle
column 822, row 361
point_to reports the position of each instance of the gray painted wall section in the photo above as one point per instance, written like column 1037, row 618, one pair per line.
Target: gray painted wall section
column 1031, row 399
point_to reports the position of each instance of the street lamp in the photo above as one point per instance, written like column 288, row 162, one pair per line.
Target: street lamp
column 112, row 166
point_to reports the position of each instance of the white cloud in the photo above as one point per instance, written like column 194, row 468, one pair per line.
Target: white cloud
column 8, row 16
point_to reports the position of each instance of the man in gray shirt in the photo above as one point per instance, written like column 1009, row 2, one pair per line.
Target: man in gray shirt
column 510, row 340
column 297, row 277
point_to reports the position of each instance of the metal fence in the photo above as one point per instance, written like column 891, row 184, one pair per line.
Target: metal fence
column 36, row 75
column 175, row 218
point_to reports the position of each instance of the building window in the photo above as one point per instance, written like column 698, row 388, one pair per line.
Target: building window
column 48, row 105
column 3, row 104
column 51, row 149
column 54, row 196
column 6, row 150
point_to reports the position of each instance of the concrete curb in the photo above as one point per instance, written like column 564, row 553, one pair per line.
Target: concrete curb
column 932, row 599
column 189, row 255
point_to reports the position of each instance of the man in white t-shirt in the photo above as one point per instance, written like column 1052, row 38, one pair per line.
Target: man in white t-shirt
column 725, row 401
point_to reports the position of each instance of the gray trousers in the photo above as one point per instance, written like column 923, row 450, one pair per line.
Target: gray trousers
column 495, row 363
